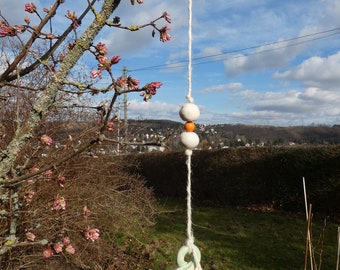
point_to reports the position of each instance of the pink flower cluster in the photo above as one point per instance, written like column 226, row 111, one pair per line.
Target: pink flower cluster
column 127, row 83
column 46, row 139
column 59, row 203
column 164, row 34
column 110, row 125
column 30, row 8
column 92, row 234
column 29, row 195
column 104, row 62
column 59, row 248
column 73, row 17
column 61, row 180
column 30, row 236
column 10, row 30
column 150, row 90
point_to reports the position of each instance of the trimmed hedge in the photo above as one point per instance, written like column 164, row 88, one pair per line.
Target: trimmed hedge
column 250, row 176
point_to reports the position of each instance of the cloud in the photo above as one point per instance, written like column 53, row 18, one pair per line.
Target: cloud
column 153, row 110
column 316, row 72
column 222, row 87
column 313, row 104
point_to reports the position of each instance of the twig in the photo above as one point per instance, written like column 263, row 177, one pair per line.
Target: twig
column 321, row 242
column 338, row 254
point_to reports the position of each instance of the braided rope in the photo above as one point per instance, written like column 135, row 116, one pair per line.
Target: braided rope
column 190, row 247
column 189, row 97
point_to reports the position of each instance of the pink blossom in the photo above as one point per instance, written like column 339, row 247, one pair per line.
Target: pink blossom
column 30, row 8
column 110, row 125
column 104, row 62
column 30, row 236
column 10, row 31
column 92, row 234
column 164, row 35
column 151, row 87
column 46, row 139
column 59, row 203
column 140, row 1
column 66, row 241
column 47, row 10
column 27, row 20
column 73, row 17
column 48, row 252
column 96, row 73
column 61, row 180
column 58, row 247
column 121, row 82
column 101, row 48
column 132, row 83
column 29, row 195
column 70, row 249
column 115, row 59
column 166, row 17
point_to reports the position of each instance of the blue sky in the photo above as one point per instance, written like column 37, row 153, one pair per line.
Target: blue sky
column 263, row 62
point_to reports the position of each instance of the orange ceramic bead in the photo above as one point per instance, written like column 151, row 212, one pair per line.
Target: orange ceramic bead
column 189, row 126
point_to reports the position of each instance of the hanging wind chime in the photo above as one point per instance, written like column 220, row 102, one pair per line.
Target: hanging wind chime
column 189, row 112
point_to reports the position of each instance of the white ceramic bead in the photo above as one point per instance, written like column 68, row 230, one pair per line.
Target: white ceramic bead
column 189, row 112
column 190, row 139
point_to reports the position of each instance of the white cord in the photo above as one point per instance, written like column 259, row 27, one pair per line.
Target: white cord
column 188, row 152
column 189, row 97
column 190, row 233
column 190, row 247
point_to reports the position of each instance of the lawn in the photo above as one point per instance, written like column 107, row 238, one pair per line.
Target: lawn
column 233, row 238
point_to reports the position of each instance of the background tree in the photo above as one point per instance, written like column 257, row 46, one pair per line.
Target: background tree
column 47, row 118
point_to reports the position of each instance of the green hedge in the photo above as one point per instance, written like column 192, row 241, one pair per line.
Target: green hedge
column 247, row 176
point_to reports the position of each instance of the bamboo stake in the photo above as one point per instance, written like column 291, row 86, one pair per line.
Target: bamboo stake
column 308, row 217
column 338, row 255
column 311, row 255
column 306, row 247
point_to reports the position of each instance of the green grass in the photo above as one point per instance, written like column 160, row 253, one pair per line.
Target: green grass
column 230, row 238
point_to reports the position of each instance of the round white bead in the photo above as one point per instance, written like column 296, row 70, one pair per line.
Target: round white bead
column 190, row 139
column 189, row 112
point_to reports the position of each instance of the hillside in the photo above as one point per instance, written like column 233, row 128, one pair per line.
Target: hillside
column 227, row 135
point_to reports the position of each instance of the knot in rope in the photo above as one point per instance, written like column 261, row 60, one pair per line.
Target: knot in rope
column 193, row 264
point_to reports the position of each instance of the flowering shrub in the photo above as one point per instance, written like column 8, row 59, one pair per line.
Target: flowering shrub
column 40, row 94
column 88, row 215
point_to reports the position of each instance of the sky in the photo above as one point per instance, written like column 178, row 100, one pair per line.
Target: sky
column 263, row 62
